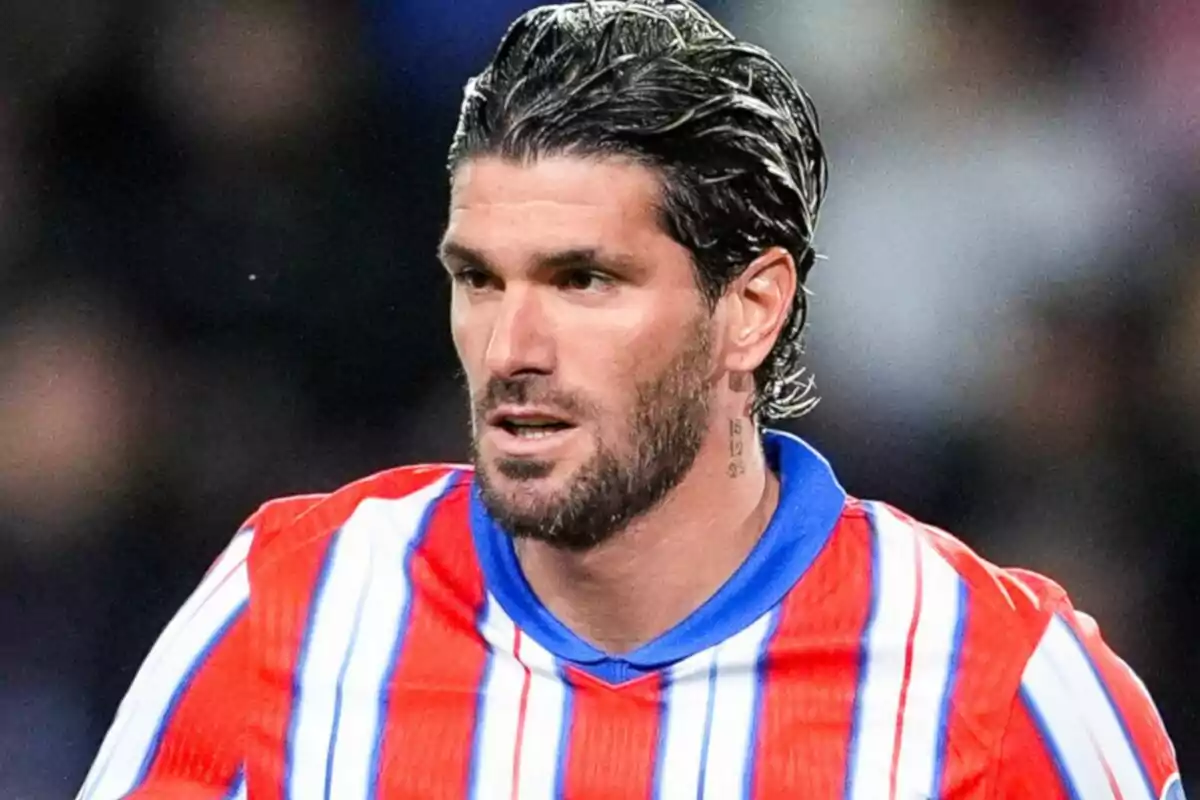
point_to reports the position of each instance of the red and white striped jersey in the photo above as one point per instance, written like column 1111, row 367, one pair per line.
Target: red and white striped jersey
column 380, row 642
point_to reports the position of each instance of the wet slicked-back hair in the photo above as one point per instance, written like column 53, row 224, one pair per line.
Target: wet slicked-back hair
column 732, row 135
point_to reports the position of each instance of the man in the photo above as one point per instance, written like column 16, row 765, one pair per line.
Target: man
column 638, row 591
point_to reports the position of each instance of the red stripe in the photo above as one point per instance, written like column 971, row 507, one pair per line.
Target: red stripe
column 908, row 660
column 1108, row 773
column 177, row 789
column 200, row 748
column 613, row 737
column 433, row 695
column 811, row 674
column 516, row 781
column 290, row 548
column 279, row 617
column 1026, row 766
column 998, row 636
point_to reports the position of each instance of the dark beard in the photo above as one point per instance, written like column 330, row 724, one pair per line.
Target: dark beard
column 665, row 432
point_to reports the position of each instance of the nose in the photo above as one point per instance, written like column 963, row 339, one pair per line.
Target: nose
column 521, row 341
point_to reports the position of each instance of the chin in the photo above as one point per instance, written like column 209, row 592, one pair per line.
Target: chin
column 525, row 480
column 522, row 497
column 508, row 467
column 526, row 483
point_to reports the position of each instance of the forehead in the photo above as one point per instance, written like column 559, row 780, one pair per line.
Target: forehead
column 510, row 209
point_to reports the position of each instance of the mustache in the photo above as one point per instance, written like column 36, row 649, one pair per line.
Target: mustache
column 526, row 391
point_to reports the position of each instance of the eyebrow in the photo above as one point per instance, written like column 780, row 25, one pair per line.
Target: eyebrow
column 453, row 251
column 573, row 258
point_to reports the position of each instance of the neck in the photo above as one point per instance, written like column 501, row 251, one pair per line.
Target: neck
column 667, row 563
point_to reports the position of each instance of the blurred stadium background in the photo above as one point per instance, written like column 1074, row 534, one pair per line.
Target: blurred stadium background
column 217, row 285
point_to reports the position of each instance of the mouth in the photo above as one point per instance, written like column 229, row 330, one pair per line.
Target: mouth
column 528, row 431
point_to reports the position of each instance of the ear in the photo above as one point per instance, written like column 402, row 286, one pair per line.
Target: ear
column 759, row 302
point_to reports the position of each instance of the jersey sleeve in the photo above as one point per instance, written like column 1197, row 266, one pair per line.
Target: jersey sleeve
column 1083, row 726
column 178, row 732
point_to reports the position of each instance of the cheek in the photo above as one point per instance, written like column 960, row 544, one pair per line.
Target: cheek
column 464, row 330
column 465, row 334
column 608, row 367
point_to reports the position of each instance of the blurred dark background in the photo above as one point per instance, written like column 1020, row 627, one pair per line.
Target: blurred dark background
column 217, row 285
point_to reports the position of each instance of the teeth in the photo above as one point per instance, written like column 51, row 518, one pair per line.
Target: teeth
column 532, row 427
column 534, row 422
column 533, row 432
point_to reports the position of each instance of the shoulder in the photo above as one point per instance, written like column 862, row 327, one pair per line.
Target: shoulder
column 972, row 624
column 1025, row 658
column 1020, row 609
column 294, row 521
column 1016, row 605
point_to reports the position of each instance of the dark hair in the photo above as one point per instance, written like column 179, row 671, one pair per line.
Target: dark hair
column 733, row 136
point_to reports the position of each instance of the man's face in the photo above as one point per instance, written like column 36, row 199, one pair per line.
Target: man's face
column 584, row 339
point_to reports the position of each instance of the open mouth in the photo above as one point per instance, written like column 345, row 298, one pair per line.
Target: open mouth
column 528, row 424
column 532, row 427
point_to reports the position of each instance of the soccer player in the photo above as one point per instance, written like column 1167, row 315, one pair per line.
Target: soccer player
column 638, row 590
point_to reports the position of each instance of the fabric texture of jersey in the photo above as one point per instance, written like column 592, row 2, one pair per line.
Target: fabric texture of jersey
column 381, row 642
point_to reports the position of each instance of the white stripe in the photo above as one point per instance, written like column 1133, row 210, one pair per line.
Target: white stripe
column 327, row 643
column 219, row 596
column 883, row 665
column 1062, row 722
column 501, row 707
column 390, row 526
column 543, row 723
column 933, row 652
column 734, row 709
column 239, row 788
column 1074, row 668
column 686, row 713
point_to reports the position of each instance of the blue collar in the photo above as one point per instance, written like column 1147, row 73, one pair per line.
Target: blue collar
column 810, row 503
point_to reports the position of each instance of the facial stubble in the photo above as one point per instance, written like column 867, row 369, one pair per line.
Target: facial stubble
column 621, row 481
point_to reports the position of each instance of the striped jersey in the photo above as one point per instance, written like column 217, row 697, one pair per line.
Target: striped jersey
column 381, row 642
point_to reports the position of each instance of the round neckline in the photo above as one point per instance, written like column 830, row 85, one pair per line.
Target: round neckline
column 810, row 504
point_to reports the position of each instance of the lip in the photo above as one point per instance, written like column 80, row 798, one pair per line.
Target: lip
column 496, row 417
column 513, row 446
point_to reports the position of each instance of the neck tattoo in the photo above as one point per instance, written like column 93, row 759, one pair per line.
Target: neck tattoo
column 737, row 463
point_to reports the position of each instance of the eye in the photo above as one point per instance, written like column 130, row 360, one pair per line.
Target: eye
column 472, row 278
column 584, row 280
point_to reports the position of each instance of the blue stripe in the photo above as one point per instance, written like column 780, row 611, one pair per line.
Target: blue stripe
column 1051, row 745
column 182, row 688
column 761, row 670
column 401, row 629
column 289, row 755
column 864, row 655
column 239, row 782
column 708, row 720
column 480, row 701
column 939, row 753
column 564, row 733
column 660, row 747
column 1113, row 706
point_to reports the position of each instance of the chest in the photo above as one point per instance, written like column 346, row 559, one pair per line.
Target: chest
column 488, row 713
